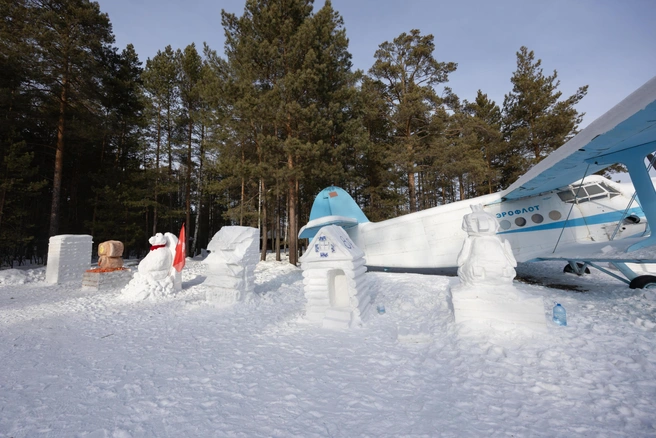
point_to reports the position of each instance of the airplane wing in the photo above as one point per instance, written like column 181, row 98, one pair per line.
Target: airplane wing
column 628, row 126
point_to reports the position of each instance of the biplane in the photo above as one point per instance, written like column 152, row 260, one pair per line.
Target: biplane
column 558, row 210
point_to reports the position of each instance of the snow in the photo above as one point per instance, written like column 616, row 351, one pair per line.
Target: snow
column 80, row 363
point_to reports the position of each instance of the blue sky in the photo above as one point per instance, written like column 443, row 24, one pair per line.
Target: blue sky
column 609, row 45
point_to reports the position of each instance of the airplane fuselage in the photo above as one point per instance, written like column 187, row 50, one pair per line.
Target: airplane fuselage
column 535, row 226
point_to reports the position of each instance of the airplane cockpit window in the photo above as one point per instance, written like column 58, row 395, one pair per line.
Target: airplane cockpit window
column 612, row 191
column 595, row 190
column 566, row 196
column 587, row 193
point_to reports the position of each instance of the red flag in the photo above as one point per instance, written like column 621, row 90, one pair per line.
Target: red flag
column 180, row 251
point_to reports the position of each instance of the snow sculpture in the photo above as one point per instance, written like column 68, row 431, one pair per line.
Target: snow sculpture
column 156, row 276
column 69, row 255
column 336, row 288
column 234, row 254
column 158, row 262
column 110, row 273
column 486, row 269
column 110, row 254
column 484, row 259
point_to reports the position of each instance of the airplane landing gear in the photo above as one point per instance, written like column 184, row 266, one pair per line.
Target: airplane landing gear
column 569, row 269
column 643, row 282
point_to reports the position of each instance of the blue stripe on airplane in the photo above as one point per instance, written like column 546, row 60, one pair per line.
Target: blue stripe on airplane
column 597, row 219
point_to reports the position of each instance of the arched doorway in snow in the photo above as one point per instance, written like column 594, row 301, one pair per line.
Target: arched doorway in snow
column 338, row 289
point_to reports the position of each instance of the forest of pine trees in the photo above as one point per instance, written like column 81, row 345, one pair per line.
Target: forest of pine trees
column 95, row 141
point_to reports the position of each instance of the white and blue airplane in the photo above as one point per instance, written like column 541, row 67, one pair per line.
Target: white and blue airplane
column 558, row 210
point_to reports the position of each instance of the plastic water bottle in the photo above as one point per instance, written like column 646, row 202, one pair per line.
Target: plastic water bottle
column 559, row 315
column 381, row 309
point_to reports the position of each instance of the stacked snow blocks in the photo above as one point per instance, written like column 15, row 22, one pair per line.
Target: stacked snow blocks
column 69, row 256
column 234, row 254
column 99, row 280
column 334, row 280
column 497, row 307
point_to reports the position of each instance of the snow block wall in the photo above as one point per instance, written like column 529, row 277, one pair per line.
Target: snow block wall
column 486, row 269
column 337, row 290
column 234, row 254
column 106, row 280
column 69, row 256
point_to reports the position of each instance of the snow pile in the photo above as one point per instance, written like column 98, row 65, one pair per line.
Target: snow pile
column 155, row 278
column 69, row 255
column 12, row 277
column 86, row 363
column 231, row 265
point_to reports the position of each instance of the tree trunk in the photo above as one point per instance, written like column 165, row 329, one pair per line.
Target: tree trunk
column 278, row 218
column 59, row 157
column 155, row 195
column 169, row 134
column 188, row 187
column 263, row 221
column 293, row 232
column 410, row 170
column 199, row 198
column 243, row 189
column 95, row 204
column 3, row 193
column 461, row 187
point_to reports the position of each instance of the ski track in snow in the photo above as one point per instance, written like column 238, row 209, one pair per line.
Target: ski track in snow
column 83, row 363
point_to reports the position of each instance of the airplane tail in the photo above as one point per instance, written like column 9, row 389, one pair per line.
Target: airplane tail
column 332, row 206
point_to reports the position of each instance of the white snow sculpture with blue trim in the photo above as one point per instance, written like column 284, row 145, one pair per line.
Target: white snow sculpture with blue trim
column 334, row 280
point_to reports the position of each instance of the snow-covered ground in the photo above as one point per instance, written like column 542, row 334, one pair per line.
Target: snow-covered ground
column 83, row 363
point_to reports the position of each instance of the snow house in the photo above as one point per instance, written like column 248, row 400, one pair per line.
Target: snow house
column 334, row 281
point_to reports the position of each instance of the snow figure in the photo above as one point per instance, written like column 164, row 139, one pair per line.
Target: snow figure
column 231, row 265
column 484, row 259
column 486, row 269
column 155, row 276
column 157, row 264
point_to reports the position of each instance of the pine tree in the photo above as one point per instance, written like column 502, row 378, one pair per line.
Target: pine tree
column 190, row 66
column 72, row 37
column 161, row 83
column 380, row 198
column 535, row 121
column 292, row 83
column 410, row 72
column 486, row 125
column 120, row 188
